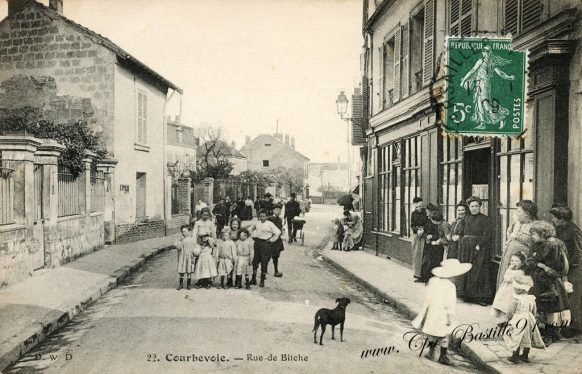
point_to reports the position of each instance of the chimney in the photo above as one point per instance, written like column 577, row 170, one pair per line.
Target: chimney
column 247, row 139
column 233, row 144
column 57, row 6
column 15, row 6
column 177, row 120
column 293, row 142
column 286, row 139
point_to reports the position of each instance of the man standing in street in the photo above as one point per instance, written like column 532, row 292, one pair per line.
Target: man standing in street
column 220, row 211
column 277, row 246
column 292, row 210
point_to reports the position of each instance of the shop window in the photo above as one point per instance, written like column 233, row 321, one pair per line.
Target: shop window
column 516, row 168
column 410, row 180
column 522, row 15
column 452, row 176
column 460, row 17
column 384, row 187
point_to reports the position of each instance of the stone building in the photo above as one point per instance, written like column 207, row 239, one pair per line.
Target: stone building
column 407, row 154
column 49, row 59
column 270, row 152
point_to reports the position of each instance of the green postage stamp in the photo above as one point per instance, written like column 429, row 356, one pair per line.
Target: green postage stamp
column 486, row 87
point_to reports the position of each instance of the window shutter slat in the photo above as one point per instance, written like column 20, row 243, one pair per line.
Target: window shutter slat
column 428, row 47
column 405, row 60
column 397, row 56
column 511, row 17
column 532, row 13
column 380, row 78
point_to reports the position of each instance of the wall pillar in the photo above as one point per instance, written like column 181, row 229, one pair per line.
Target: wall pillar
column 185, row 195
column 107, row 166
column 47, row 155
column 209, row 191
column 18, row 154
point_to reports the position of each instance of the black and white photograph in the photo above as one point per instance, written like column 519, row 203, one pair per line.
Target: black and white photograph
column 290, row 186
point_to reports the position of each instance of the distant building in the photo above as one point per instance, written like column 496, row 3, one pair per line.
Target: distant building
column 331, row 175
column 181, row 147
column 227, row 152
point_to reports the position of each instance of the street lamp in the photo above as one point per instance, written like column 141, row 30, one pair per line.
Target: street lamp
column 342, row 108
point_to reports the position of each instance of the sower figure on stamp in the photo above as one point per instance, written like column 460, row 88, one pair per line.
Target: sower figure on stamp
column 277, row 247
column 265, row 234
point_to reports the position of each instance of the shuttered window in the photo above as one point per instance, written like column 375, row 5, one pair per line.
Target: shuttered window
column 381, row 78
column 461, row 17
column 428, row 43
column 397, row 56
column 405, row 85
column 522, row 15
column 142, row 117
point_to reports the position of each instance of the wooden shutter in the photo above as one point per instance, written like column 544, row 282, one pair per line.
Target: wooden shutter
column 380, row 78
column 455, row 17
column 142, row 120
column 397, row 55
column 511, row 17
column 466, row 19
column 405, row 60
column 428, row 43
column 532, row 14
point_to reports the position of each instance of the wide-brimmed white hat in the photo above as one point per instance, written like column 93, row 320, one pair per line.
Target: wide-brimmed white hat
column 451, row 268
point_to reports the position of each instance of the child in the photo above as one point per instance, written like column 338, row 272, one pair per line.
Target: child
column 244, row 255
column 337, row 234
column 277, row 247
column 205, row 266
column 187, row 252
column 504, row 295
column 522, row 330
column 265, row 234
column 435, row 317
column 225, row 254
column 347, row 225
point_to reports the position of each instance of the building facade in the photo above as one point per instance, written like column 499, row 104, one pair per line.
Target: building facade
column 267, row 151
column 122, row 98
column 408, row 155
column 329, row 176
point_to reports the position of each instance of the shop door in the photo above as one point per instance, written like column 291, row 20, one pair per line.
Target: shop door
column 477, row 169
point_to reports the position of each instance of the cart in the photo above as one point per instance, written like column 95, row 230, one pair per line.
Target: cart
column 298, row 224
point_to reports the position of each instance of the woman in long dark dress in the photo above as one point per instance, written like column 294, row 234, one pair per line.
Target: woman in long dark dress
column 548, row 265
column 475, row 248
column 457, row 227
column 434, row 246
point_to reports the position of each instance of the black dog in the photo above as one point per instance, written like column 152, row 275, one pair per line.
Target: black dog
column 331, row 317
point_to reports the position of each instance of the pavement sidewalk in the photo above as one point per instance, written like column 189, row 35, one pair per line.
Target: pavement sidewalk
column 33, row 309
column 394, row 282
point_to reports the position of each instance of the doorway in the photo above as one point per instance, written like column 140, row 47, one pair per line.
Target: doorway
column 140, row 196
column 477, row 165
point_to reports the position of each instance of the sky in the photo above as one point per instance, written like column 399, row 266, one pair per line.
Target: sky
column 243, row 64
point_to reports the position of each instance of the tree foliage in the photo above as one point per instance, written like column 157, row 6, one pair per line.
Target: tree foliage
column 331, row 191
column 76, row 136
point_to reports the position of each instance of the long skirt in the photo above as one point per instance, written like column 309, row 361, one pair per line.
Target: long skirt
column 243, row 266
column 417, row 249
column 433, row 255
column 575, row 277
column 476, row 284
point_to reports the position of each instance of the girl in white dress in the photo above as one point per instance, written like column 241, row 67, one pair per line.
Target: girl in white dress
column 205, row 268
column 188, row 250
column 244, row 255
column 504, row 295
column 225, row 254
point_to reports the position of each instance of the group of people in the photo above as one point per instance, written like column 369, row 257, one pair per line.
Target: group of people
column 230, row 243
column 347, row 232
column 539, row 278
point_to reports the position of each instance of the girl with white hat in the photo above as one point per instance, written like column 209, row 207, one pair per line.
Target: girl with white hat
column 435, row 317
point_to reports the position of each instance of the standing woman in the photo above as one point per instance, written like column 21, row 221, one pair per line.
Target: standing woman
column 418, row 219
column 475, row 248
column 435, row 232
column 518, row 235
column 457, row 227
column 204, row 226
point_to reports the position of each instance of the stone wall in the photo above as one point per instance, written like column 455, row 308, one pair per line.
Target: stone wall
column 132, row 232
column 34, row 44
column 73, row 237
column 173, row 224
column 16, row 250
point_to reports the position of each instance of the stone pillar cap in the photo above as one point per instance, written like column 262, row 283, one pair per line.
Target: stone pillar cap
column 19, row 143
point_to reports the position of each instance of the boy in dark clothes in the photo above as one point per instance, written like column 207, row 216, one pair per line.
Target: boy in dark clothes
column 277, row 247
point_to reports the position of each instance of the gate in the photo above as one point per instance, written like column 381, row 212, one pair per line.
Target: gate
column 37, row 250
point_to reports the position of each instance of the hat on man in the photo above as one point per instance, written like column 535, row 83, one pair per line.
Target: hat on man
column 451, row 268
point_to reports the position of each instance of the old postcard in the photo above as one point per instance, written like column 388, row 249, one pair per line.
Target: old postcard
column 290, row 186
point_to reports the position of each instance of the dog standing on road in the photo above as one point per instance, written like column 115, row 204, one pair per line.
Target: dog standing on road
column 331, row 317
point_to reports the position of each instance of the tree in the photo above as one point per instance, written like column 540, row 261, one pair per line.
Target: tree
column 211, row 154
column 76, row 136
column 294, row 178
column 331, row 192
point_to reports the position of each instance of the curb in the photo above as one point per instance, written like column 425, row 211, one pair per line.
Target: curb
column 15, row 348
column 478, row 354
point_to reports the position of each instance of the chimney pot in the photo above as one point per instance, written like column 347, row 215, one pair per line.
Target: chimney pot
column 293, row 142
column 57, row 6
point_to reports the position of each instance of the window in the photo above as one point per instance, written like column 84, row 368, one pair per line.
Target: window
column 267, row 144
column 384, row 187
column 522, row 15
column 410, row 179
column 265, row 163
column 452, row 179
column 460, row 17
column 516, row 168
column 416, row 44
column 142, row 117
column 388, row 74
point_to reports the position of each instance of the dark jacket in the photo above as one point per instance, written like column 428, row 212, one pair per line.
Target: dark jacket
column 418, row 220
column 571, row 235
column 292, row 209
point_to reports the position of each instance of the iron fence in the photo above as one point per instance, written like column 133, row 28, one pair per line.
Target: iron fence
column 70, row 195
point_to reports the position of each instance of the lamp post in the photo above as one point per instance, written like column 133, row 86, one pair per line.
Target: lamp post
column 342, row 108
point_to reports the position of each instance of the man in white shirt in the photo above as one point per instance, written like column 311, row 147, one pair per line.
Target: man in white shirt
column 265, row 234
